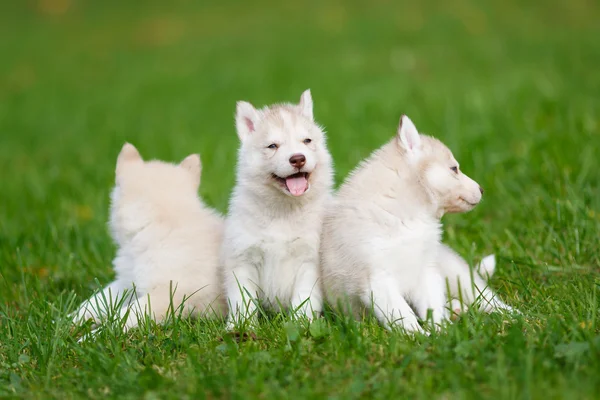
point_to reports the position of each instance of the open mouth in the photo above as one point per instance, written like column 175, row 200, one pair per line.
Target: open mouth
column 296, row 184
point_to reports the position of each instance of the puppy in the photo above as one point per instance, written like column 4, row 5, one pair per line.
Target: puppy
column 168, row 244
column 270, row 252
column 381, row 241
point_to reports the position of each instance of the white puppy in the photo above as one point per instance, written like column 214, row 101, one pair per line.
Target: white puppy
column 168, row 244
column 270, row 252
column 381, row 242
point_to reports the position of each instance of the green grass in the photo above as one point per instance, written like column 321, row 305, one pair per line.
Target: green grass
column 511, row 86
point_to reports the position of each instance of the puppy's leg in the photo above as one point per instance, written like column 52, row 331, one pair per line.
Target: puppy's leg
column 241, row 287
column 134, row 312
column 488, row 300
column 454, row 269
column 467, row 285
column 307, row 298
column 388, row 305
column 431, row 294
column 487, row 267
column 98, row 306
column 162, row 301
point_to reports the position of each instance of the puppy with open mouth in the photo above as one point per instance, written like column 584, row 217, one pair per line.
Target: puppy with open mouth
column 284, row 179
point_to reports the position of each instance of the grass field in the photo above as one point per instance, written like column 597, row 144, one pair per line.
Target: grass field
column 511, row 86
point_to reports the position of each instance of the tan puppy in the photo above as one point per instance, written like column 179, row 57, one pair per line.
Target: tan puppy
column 168, row 243
column 381, row 242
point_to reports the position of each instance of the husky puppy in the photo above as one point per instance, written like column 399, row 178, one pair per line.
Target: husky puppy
column 270, row 252
column 381, row 241
column 168, row 244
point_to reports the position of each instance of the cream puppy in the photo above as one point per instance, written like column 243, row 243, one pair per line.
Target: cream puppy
column 381, row 241
column 168, row 244
column 270, row 253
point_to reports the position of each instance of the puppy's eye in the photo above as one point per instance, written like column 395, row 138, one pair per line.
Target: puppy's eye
column 272, row 146
column 454, row 169
column 307, row 141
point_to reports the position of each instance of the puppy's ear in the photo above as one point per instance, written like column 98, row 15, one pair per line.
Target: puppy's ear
column 408, row 136
column 193, row 164
column 306, row 104
column 246, row 119
column 129, row 154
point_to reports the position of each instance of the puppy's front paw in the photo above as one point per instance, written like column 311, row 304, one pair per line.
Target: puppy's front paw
column 230, row 325
column 456, row 309
column 416, row 331
column 92, row 335
column 234, row 325
column 410, row 329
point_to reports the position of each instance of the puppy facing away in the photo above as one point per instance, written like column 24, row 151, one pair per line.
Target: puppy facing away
column 381, row 241
column 270, row 252
column 168, row 243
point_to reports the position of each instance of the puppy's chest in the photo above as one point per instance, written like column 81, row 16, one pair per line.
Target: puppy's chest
column 290, row 232
column 282, row 244
column 412, row 245
column 283, row 257
column 285, row 246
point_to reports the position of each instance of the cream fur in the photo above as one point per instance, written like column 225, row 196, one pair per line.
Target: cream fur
column 270, row 252
column 469, row 287
column 381, row 241
column 168, row 244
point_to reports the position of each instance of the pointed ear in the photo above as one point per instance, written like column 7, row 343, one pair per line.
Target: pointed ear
column 128, row 154
column 306, row 104
column 193, row 164
column 246, row 118
column 408, row 135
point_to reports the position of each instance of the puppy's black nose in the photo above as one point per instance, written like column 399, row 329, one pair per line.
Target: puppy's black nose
column 298, row 160
column 481, row 189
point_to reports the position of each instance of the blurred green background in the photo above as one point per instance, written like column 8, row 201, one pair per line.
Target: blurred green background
column 512, row 87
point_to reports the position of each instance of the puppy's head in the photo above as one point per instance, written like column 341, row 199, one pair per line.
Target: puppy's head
column 436, row 169
column 147, row 192
column 281, row 146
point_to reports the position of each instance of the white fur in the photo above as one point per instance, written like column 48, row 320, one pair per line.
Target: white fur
column 381, row 241
column 487, row 267
column 470, row 287
column 168, row 244
column 271, row 248
column 408, row 134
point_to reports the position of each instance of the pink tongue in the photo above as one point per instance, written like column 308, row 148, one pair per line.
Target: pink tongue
column 297, row 185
